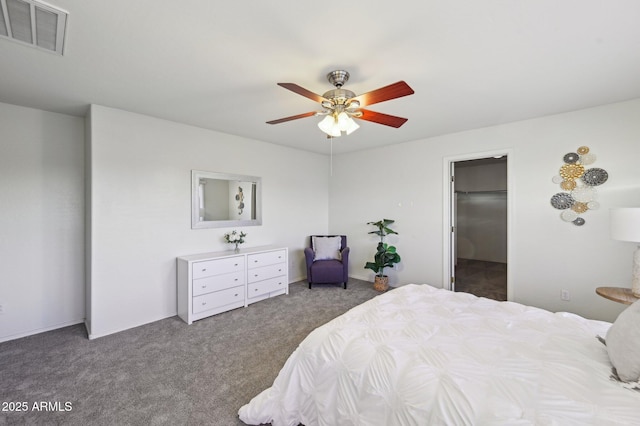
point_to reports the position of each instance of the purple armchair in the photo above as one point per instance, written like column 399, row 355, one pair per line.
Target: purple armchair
column 327, row 271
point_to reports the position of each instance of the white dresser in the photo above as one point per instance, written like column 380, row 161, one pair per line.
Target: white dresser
column 210, row 283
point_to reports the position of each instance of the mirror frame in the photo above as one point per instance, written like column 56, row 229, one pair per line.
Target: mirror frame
column 196, row 175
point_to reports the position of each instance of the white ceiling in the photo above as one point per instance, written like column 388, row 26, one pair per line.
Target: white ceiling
column 215, row 64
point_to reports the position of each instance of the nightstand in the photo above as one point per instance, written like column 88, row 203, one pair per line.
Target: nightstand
column 617, row 294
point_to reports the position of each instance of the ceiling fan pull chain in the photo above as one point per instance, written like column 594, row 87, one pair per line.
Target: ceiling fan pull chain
column 331, row 157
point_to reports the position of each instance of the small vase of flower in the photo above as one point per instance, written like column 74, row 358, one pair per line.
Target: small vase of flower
column 235, row 237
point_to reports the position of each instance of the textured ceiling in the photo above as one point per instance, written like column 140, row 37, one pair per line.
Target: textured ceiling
column 215, row 64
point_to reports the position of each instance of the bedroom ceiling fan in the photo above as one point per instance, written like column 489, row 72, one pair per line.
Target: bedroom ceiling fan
column 341, row 106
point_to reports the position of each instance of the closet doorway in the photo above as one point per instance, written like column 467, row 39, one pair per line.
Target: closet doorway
column 479, row 217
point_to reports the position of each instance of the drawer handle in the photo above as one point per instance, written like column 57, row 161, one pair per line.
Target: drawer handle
column 235, row 295
column 255, row 275
column 255, row 289
column 204, row 303
column 204, row 269
column 255, row 261
column 204, row 286
column 235, row 264
column 279, row 270
column 236, row 279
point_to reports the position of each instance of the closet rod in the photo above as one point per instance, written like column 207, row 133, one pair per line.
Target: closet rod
column 494, row 191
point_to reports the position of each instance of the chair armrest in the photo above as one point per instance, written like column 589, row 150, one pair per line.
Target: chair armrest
column 345, row 255
column 345, row 265
column 308, row 255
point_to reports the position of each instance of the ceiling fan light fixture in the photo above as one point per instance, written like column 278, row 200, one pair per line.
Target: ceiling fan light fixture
column 329, row 125
column 334, row 125
column 352, row 126
column 343, row 121
column 346, row 123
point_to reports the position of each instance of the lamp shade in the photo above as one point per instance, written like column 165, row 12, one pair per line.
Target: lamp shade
column 343, row 121
column 352, row 126
column 330, row 126
column 625, row 224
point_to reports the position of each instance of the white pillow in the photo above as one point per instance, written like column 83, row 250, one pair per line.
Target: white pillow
column 623, row 344
column 326, row 248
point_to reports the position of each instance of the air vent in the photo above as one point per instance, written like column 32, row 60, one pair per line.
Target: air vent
column 33, row 23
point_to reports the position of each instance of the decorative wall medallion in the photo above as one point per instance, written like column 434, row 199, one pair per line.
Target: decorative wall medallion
column 568, row 185
column 578, row 222
column 584, row 194
column 587, row 159
column 595, row 177
column 580, row 185
column 571, row 158
column 562, row 201
column 571, row 171
column 579, row 207
column 568, row 215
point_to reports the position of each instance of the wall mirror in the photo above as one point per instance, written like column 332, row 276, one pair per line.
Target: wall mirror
column 221, row 200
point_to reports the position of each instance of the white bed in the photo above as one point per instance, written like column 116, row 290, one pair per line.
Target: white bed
column 418, row 355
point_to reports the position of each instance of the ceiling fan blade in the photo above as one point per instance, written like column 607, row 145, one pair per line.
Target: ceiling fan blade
column 304, row 92
column 293, row 117
column 386, row 93
column 380, row 118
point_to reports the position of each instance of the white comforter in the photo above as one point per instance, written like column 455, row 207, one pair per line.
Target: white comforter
column 418, row 355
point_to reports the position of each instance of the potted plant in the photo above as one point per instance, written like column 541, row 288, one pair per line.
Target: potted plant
column 386, row 255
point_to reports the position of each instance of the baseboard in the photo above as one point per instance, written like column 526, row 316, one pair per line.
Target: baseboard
column 295, row 280
column 108, row 332
column 361, row 277
column 39, row 330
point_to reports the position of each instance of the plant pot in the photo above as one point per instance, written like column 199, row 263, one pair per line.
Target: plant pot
column 381, row 283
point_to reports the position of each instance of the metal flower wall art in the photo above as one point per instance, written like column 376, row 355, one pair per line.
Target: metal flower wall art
column 240, row 200
column 579, row 184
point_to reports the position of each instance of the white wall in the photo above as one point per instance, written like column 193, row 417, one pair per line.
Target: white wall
column 141, row 208
column 546, row 254
column 41, row 221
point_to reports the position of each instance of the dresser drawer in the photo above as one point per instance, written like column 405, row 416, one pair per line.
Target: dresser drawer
column 268, row 258
column 217, row 283
column 266, row 286
column 266, row 272
column 217, row 267
column 217, row 299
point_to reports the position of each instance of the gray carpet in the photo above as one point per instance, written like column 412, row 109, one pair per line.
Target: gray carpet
column 166, row 372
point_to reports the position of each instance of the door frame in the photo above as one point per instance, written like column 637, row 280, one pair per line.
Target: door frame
column 447, row 214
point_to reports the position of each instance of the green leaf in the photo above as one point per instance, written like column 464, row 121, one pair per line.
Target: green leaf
column 374, row 267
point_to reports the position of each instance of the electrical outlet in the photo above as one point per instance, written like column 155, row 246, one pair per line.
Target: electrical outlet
column 564, row 295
